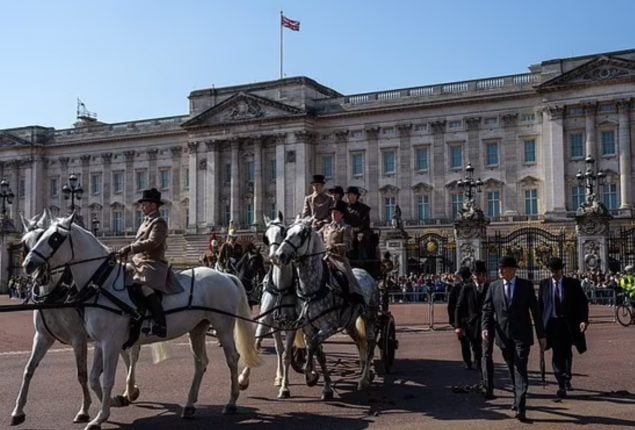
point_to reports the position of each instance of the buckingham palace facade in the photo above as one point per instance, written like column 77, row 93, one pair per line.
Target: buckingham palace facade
column 245, row 151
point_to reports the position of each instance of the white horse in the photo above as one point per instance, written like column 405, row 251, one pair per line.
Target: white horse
column 325, row 312
column 207, row 297
column 66, row 326
column 278, row 306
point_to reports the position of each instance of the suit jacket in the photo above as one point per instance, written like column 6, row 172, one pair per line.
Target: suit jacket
column 148, row 249
column 511, row 322
column 318, row 206
column 469, row 308
column 453, row 298
column 575, row 307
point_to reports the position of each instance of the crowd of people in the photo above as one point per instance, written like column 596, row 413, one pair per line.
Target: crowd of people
column 19, row 287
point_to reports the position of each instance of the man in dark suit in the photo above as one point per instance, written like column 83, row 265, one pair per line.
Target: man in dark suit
column 506, row 310
column 565, row 315
column 468, row 323
column 453, row 298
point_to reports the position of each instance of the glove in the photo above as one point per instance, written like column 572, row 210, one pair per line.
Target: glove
column 123, row 252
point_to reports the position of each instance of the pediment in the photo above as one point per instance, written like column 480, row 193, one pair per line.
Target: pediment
column 422, row 187
column 243, row 107
column 9, row 140
column 604, row 69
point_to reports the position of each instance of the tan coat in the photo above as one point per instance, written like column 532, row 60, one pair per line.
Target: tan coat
column 148, row 249
column 318, row 206
column 338, row 238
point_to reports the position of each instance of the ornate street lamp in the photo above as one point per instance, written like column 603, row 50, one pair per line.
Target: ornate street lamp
column 95, row 224
column 468, row 184
column 7, row 196
column 73, row 190
column 591, row 180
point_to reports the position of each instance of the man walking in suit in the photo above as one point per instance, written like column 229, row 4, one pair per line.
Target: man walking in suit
column 464, row 275
column 506, row 310
column 565, row 315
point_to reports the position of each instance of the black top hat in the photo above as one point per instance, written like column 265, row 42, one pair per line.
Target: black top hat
column 318, row 179
column 336, row 190
column 340, row 206
column 480, row 266
column 508, row 261
column 152, row 195
column 555, row 263
column 353, row 190
column 464, row 272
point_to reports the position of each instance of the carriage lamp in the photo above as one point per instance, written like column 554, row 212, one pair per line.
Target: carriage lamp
column 72, row 190
column 7, row 196
column 95, row 224
column 468, row 184
column 589, row 178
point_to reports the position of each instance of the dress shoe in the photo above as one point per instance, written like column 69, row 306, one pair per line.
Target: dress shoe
column 520, row 416
column 513, row 407
column 568, row 386
column 561, row 393
column 489, row 396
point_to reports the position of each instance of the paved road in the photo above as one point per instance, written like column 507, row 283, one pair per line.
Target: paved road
column 418, row 394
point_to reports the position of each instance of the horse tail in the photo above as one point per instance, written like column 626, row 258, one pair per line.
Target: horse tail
column 244, row 331
column 360, row 327
column 299, row 339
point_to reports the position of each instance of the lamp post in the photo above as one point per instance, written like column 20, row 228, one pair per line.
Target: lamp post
column 95, row 224
column 7, row 196
column 591, row 180
column 468, row 184
column 73, row 190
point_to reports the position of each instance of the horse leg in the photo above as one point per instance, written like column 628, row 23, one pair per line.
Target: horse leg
column 80, row 348
column 284, row 392
column 327, row 391
column 358, row 333
column 280, row 350
column 41, row 344
column 95, row 372
column 310, row 376
column 197, row 345
column 110, row 354
column 130, row 358
column 231, row 357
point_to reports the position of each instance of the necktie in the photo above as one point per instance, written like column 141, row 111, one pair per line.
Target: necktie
column 558, row 299
column 508, row 291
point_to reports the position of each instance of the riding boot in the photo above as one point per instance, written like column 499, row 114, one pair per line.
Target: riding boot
column 159, row 329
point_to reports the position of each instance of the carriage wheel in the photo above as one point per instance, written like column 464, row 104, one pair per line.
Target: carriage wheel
column 624, row 315
column 298, row 359
column 389, row 344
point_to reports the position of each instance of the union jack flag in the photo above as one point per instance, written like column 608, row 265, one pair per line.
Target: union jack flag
column 290, row 24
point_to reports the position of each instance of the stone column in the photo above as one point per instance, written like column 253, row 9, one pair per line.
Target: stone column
column 553, row 185
column 63, row 179
column 234, row 184
column 590, row 110
column 341, row 158
column 106, row 160
column 259, row 195
column 152, row 167
column 15, row 181
column 86, row 185
column 212, row 181
column 304, row 168
column 29, row 184
column 372, row 171
column 193, row 191
column 439, row 207
column 281, row 197
column 592, row 230
column 175, row 190
column 404, row 172
column 624, row 137
column 129, row 186
column 509, row 164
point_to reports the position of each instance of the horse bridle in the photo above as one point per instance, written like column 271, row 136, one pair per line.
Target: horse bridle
column 305, row 236
column 55, row 242
column 283, row 230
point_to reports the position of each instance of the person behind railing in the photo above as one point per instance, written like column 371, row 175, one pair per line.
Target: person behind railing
column 628, row 284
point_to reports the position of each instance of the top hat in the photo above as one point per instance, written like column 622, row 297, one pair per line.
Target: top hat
column 318, row 179
column 464, row 272
column 480, row 266
column 152, row 195
column 352, row 190
column 340, row 206
column 336, row 190
column 555, row 263
column 508, row 261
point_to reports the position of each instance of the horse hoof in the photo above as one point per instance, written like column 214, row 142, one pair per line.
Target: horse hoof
column 188, row 412
column 284, row 394
column 135, row 394
column 230, row 410
column 312, row 379
column 92, row 427
column 119, row 401
column 17, row 419
column 81, row 418
column 327, row 395
column 242, row 386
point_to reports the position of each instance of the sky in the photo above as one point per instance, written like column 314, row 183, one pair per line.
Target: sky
column 139, row 59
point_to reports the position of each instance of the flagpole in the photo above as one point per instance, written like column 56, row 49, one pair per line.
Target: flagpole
column 281, row 45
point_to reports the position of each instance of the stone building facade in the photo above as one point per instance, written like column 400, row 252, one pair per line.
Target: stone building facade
column 248, row 150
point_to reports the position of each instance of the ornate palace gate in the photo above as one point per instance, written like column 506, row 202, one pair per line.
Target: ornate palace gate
column 621, row 244
column 431, row 253
column 532, row 247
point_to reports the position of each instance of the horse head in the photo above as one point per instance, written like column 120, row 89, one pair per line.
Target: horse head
column 274, row 234
column 300, row 241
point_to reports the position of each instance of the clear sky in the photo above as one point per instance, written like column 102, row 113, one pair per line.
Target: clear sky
column 138, row 59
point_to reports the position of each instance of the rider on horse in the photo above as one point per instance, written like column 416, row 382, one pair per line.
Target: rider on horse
column 152, row 271
column 229, row 253
column 318, row 203
column 338, row 237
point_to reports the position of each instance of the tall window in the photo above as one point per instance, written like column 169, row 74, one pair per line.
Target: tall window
column 577, row 196
column 389, row 208
column 22, row 187
column 389, row 162
column 250, row 214
column 494, row 204
column 491, row 150
column 164, row 179
column 95, row 184
column 421, row 162
column 117, row 182
column 186, row 180
column 138, row 218
column 273, row 174
column 117, row 221
column 327, row 166
column 423, row 207
column 165, row 214
column 358, row 164
column 228, row 172
column 55, row 187
column 609, row 196
column 141, row 179
column 530, row 151
column 531, row 202
column 608, row 142
column 456, row 157
column 457, row 204
column 577, row 145
column 187, row 217
column 251, row 171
